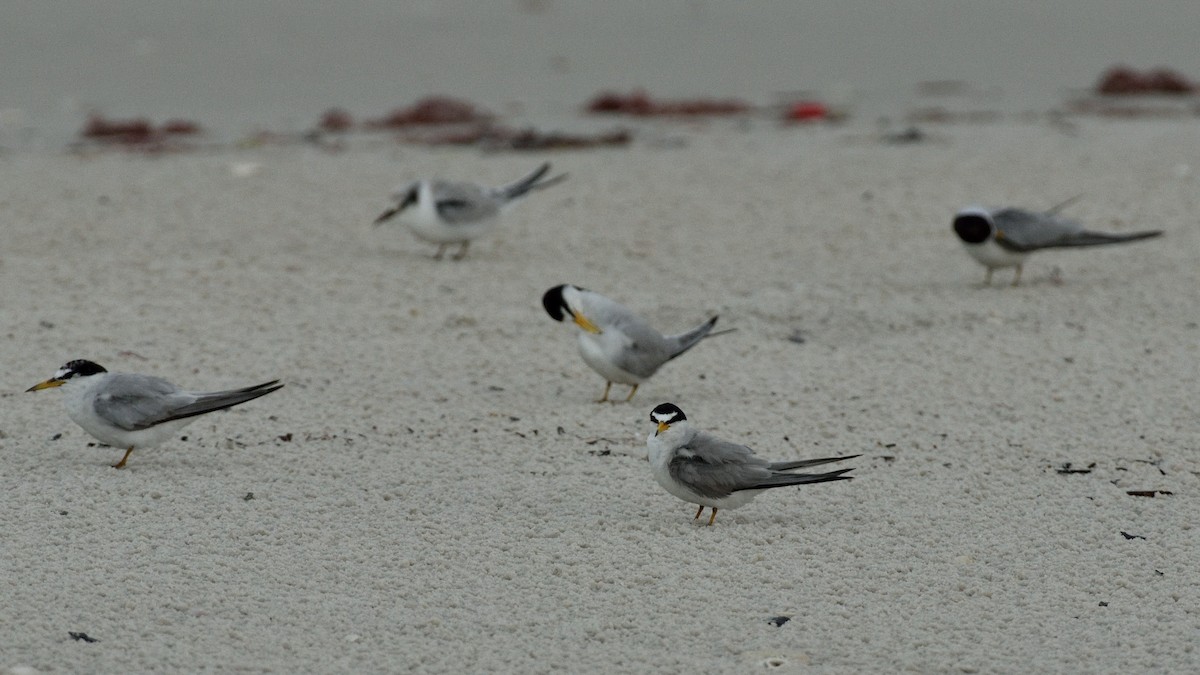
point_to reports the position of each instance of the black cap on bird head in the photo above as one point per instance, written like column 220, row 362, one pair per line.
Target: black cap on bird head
column 666, row 414
column 553, row 301
column 72, row 369
column 973, row 225
column 555, row 304
column 81, row 368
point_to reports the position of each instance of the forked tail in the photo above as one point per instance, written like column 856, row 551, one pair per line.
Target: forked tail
column 803, row 463
column 786, row 479
column 530, row 182
column 685, row 341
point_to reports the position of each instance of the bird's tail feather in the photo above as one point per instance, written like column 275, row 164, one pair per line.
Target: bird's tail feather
column 685, row 341
column 218, row 400
column 530, row 182
column 1087, row 238
column 1063, row 204
column 800, row 464
column 786, row 479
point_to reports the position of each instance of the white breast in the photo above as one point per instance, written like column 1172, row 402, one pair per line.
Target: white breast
column 427, row 223
column 601, row 351
column 659, row 454
column 660, row 449
column 79, row 397
column 992, row 255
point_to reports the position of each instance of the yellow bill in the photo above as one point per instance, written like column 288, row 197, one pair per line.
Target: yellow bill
column 48, row 384
column 582, row 322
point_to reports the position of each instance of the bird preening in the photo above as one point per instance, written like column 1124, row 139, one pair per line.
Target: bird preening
column 615, row 342
column 1005, row 237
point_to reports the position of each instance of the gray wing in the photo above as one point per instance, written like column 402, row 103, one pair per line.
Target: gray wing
column 463, row 202
column 715, row 468
column 646, row 348
column 1021, row 230
column 132, row 402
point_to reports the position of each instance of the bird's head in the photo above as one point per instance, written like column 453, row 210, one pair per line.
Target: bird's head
column 974, row 225
column 563, row 301
column 78, row 368
column 666, row 414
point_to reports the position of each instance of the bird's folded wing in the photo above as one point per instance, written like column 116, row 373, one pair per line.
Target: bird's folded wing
column 458, row 203
column 715, row 468
column 133, row 402
column 1021, row 230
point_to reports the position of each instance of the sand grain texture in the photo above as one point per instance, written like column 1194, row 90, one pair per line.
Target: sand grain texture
column 452, row 499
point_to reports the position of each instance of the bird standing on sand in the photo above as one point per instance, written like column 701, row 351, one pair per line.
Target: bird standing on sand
column 136, row 411
column 1005, row 237
column 702, row 469
column 614, row 341
column 455, row 213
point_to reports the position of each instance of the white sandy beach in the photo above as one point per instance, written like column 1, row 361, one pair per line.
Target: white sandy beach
column 435, row 490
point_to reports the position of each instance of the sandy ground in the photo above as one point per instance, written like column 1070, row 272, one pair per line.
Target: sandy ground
column 436, row 491
column 452, row 499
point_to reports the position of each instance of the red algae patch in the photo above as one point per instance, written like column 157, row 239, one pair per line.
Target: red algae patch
column 138, row 134
column 1125, row 81
column 639, row 104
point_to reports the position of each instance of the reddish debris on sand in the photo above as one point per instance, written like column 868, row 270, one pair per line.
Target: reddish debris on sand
column 117, row 131
column 1124, row 81
column 806, row 111
column 432, row 110
column 531, row 139
column 180, row 127
column 640, row 104
column 505, row 138
column 335, row 120
column 456, row 136
column 138, row 134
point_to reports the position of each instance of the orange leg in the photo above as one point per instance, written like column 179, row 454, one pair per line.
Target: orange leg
column 121, row 464
column 607, row 386
column 712, row 517
column 698, row 512
column 441, row 251
column 631, row 393
column 462, row 250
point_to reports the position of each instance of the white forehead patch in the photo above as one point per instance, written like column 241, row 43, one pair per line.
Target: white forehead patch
column 60, row 373
column 571, row 295
column 974, row 210
column 663, row 419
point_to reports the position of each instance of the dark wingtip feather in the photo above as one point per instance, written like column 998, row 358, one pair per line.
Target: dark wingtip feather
column 256, row 387
column 1089, row 238
column 789, row 479
column 550, row 182
column 236, row 397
